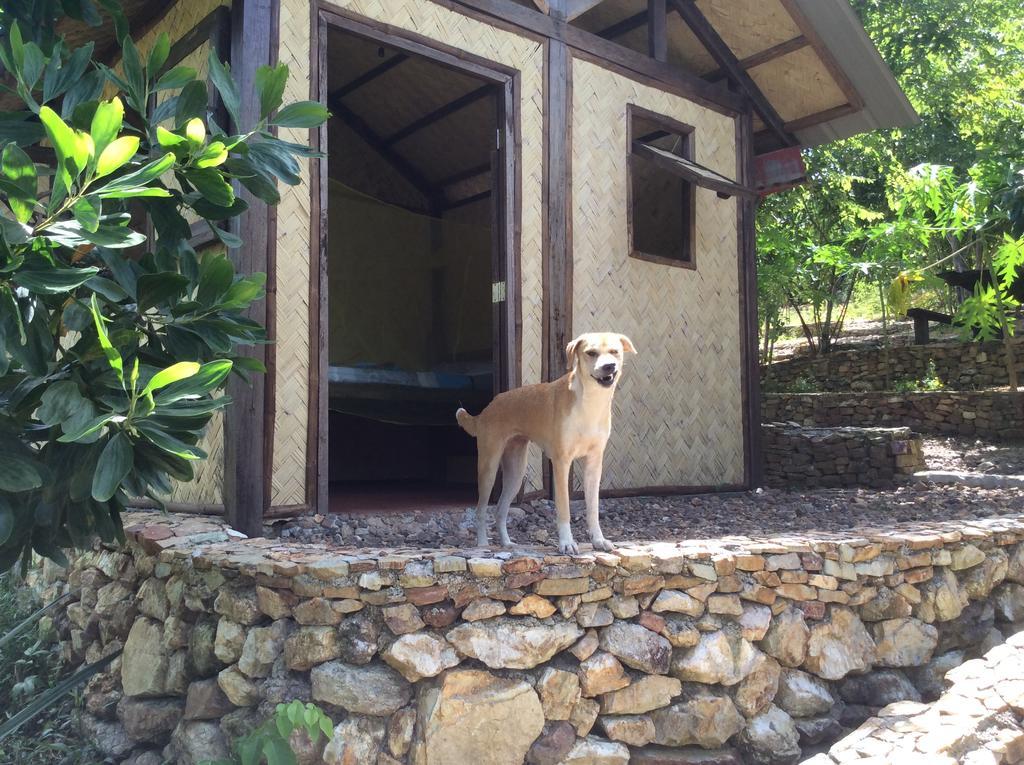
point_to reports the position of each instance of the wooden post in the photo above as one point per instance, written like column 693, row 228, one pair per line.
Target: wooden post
column 246, row 431
column 557, row 265
column 746, row 208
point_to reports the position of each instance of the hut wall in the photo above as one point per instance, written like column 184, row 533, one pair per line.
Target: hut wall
column 206, row 489
column 678, row 411
column 293, row 214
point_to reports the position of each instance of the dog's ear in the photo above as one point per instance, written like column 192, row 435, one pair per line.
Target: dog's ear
column 571, row 359
column 627, row 344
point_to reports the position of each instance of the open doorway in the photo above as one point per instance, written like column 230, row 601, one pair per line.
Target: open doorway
column 416, row 266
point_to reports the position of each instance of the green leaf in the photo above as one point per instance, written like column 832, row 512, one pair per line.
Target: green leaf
column 63, row 138
column 117, row 153
column 192, row 102
column 168, row 443
column 138, row 178
column 88, row 428
column 69, row 73
column 270, row 82
column 113, row 357
column 113, row 467
column 301, row 114
column 32, row 67
column 244, row 291
column 154, row 289
column 158, row 55
column 61, row 402
column 178, row 77
column 106, row 123
column 18, row 473
column 173, row 373
column 208, row 378
column 215, row 275
column 213, row 155
column 167, row 139
column 21, row 172
column 226, row 86
column 87, row 211
column 134, row 76
column 54, row 281
column 212, row 185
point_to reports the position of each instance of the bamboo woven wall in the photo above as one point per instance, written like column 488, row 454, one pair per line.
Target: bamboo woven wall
column 678, row 412
column 207, row 487
column 294, row 252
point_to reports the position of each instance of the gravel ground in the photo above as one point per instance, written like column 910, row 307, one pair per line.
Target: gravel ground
column 964, row 455
column 637, row 519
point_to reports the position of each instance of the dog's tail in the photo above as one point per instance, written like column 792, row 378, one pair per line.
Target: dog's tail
column 466, row 421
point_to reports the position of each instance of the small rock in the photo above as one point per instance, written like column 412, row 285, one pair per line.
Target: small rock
column 553, row 744
column 356, row 740
column 559, row 691
column 206, row 701
column 309, row 646
column 533, row 605
column 637, row 647
column 403, row 619
column 755, row 692
column 420, row 655
column 786, row 639
column 635, row 730
column 770, row 738
column 839, row 646
column 904, row 642
column 601, row 673
column 704, row 718
column 802, row 694
column 240, row 690
column 375, row 690
column 718, row 658
column 595, row 751
column 643, row 695
column 483, row 608
column 513, row 644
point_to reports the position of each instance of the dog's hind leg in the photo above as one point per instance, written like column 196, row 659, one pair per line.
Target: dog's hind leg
column 487, row 462
column 513, row 470
column 591, row 488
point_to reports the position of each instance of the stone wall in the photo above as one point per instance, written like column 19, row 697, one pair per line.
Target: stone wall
column 978, row 719
column 832, row 457
column 958, row 365
column 997, row 415
column 651, row 654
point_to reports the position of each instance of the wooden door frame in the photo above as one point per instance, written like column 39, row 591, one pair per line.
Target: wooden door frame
column 507, row 186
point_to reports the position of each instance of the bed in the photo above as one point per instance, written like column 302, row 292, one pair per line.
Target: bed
column 407, row 397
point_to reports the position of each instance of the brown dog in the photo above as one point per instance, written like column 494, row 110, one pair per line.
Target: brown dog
column 568, row 418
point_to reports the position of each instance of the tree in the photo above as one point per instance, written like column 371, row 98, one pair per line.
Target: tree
column 114, row 345
column 960, row 65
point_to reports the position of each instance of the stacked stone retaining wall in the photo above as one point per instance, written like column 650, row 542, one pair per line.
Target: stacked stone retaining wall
column 978, row 719
column 997, row 415
column 957, row 365
column 833, row 457
column 655, row 653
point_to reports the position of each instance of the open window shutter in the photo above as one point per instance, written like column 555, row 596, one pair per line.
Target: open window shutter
column 692, row 171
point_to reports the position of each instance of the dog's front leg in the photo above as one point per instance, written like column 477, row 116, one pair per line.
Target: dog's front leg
column 591, row 488
column 566, row 544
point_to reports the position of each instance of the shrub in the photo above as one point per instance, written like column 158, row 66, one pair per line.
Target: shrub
column 115, row 344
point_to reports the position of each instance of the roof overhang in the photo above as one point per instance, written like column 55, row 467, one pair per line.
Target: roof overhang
column 884, row 103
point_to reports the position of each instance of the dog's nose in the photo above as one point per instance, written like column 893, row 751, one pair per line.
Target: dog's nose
column 609, row 367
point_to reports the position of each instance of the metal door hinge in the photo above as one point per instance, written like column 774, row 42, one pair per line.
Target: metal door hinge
column 498, row 292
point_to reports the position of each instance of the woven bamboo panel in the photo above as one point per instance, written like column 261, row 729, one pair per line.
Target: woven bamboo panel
column 750, row 26
column 294, row 250
column 209, row 474
column 678, row 412
column 798, row 84
column 295, row 253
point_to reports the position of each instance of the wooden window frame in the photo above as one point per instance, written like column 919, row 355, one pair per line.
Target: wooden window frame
column 689, row 192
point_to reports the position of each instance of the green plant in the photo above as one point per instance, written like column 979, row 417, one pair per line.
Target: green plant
column 114, row 344
column 36, row 724
column 270, row 742
column 931, row 381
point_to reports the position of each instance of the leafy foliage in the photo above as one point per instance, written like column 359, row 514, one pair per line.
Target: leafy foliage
column 115, row 342
column 269, row 743
column 894, row 202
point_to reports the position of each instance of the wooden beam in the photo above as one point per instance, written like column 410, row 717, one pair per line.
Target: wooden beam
column 625, row 26
column 690, row 171
column 763, row 57
column 576, row 8
column 589, row 46
column 466, row 201
column 708, row 36
column 402, row 166
column 657, row 36
column 370, row 76
column 439, row 114
column 246, row 428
